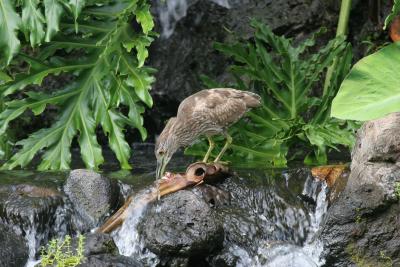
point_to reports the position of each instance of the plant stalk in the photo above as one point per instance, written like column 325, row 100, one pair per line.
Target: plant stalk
column 342, row 28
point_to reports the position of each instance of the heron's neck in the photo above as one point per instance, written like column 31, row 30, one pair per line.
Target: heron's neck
column 184, row 133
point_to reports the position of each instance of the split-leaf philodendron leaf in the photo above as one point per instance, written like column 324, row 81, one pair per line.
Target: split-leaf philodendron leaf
column 372, row 88
column 92, row 42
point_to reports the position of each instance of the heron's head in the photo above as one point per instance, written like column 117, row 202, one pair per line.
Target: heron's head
column 166, row 146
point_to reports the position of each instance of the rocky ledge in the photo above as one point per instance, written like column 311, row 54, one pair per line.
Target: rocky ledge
column 362, row 226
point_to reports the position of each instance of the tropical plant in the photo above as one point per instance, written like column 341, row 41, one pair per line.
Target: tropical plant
column 59, row 253
column 371, row 90
column 395, row 11
column 102, row 45
column 286, row 78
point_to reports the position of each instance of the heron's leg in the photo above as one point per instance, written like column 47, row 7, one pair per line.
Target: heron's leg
column 210, row 148
column 226, row 146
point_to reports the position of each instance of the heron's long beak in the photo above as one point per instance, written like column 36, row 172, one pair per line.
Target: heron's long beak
column 161, row 164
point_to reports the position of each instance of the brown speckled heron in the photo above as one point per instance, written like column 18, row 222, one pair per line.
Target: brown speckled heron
column 208, row 112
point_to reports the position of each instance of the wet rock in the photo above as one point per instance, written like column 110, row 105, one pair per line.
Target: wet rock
column 181, row 225
column 97, row 243
column 93, row 196
column 108, row 260
column 13, row 250
column 362, row 224
column 224, row 259
column 214, row 196
column 378, row 141
column 276, row 212
column 35, row 213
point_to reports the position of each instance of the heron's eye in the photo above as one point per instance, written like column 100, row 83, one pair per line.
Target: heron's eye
column 161, row 153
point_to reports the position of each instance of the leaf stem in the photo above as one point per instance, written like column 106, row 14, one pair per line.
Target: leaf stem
column 341, row 30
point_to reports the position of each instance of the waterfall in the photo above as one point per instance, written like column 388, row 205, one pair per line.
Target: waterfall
column 171, row 11
column 36, row 237
column 127, row 237
column 317, row 190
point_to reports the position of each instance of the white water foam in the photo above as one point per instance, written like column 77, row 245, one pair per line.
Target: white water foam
column 36, row 238
column 313, row 247
column 276, row 254
column 127, row 237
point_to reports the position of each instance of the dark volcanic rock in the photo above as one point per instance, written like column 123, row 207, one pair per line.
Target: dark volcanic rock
column 108, row 260
column 36, row 212
column 92, row 195
column 363, row 225
column 20, row 204
column 182, row 225
column 13, row 250
column 97, row 243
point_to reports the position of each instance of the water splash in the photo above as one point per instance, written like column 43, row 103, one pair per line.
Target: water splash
column 313, row 246
column 278, row 229
column 169, row 13
column 127, row 237
column 35, row 237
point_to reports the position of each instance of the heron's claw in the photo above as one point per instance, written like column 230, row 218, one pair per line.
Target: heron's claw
column 227, row 162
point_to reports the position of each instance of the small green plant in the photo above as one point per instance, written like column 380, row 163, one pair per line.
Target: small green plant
column 387, row 261
column 397, row 190
column 102, row 46
column 357, row 257
column 358, row 216
column 59, row 253
column 291, row 116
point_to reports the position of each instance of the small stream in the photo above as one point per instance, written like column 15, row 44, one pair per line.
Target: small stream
column 271, row 220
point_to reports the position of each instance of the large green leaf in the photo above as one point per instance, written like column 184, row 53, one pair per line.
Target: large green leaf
column 53, row 11
column 372, row 88
column 144, row 17
column 76, row 8
column 107, row 74
column 32, row 21
column 10, row 22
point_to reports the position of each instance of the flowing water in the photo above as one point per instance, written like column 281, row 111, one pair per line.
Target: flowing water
column 127, row 238
column 272, row 218
column 266, row 224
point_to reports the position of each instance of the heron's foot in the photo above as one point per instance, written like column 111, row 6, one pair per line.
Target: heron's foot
column 223, row 162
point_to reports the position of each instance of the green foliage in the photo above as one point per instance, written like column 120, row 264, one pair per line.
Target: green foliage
column 285, row 76
column 397, row 190
column 59, row 253
column 95, row 43
column 387, row 261
column 372, row 89
column 395, row 11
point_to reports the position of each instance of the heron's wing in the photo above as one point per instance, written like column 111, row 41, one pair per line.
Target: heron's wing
column 222, row 106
